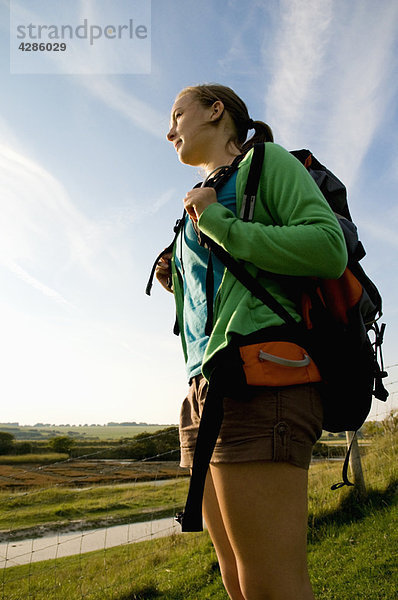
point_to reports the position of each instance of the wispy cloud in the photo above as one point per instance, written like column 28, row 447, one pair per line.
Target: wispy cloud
column 29, row 190
column 81, row 60
column 22, row 274
column 45, row 238
column 134, row 212
column 334, row 75
column 136, row 111
column 244, row 49
column 296, row 64
column 363, row 85
column 41, row 230
column 383, row 233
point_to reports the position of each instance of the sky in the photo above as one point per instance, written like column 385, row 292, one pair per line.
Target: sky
column 90, row 187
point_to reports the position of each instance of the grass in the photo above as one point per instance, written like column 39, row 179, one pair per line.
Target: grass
column 356, row 560
column 352, row 547
column 177, row 567
column 380, row 468
column 355, row 554
column 37, row 459
column 56, row 508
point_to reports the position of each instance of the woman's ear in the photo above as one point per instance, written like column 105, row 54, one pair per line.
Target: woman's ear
column 217, row 111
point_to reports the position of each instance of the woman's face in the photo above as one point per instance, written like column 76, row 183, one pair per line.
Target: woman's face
column 191, row 126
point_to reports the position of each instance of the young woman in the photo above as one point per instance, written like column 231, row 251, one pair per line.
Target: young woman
column 255, row 501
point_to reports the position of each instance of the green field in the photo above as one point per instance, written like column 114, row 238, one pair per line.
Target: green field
column 353, row 544
column 95, row 432
column 34, row 459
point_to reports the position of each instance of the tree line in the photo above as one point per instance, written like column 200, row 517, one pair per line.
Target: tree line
column 163, row 444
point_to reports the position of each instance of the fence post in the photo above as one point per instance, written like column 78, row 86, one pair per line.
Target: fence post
column 355, row 463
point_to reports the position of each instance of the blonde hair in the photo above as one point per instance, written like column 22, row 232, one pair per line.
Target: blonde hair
column 207, row 94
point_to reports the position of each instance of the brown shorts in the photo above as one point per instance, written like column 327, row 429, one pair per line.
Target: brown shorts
column 276, row 424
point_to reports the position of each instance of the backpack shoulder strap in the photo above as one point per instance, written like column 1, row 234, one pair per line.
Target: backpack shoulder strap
column 249, row 282
column 235, row 267
column 177, row 228
column 253, row 179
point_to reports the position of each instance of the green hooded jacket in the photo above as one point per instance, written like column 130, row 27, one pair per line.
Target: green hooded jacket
column 293, row 232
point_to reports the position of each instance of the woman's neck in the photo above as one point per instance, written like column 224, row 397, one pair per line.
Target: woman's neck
column 219, row 159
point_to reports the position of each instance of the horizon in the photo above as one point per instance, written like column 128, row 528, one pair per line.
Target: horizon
column 109, row 424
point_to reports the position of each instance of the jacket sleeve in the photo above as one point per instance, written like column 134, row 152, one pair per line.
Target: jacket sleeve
column 294, row 231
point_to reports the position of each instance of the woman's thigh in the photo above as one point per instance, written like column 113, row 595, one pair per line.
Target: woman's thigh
column 264, row 513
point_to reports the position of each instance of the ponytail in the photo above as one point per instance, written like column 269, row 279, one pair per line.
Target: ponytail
column 262, row 133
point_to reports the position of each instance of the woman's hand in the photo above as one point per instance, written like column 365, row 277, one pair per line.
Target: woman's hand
column 197, row 200
column 163, row 271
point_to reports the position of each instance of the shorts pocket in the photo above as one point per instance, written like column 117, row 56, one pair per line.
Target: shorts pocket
column 301, row 407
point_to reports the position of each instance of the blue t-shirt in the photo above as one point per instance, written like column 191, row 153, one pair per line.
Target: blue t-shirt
column 191, row 260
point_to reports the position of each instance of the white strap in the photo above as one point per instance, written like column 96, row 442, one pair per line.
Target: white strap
column 252, row 201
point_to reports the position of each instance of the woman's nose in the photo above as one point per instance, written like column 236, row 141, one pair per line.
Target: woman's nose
column 171, row 134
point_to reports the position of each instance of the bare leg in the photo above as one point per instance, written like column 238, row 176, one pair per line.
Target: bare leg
column 263, row 511
column 225, row 554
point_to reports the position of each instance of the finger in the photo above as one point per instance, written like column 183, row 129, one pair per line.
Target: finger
column 163, row 269
column 165, row 259
column 191, row 211
column 193, row 216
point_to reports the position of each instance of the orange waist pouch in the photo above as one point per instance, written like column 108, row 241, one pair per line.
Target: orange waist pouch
column 277, row 364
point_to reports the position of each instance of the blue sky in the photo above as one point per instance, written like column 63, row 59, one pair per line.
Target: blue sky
column 90, row 189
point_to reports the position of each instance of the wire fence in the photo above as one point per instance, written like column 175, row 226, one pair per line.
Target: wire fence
column 59, row 540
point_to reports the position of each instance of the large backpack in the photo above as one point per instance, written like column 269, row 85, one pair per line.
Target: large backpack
column 339, row 318
column 341, row 315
